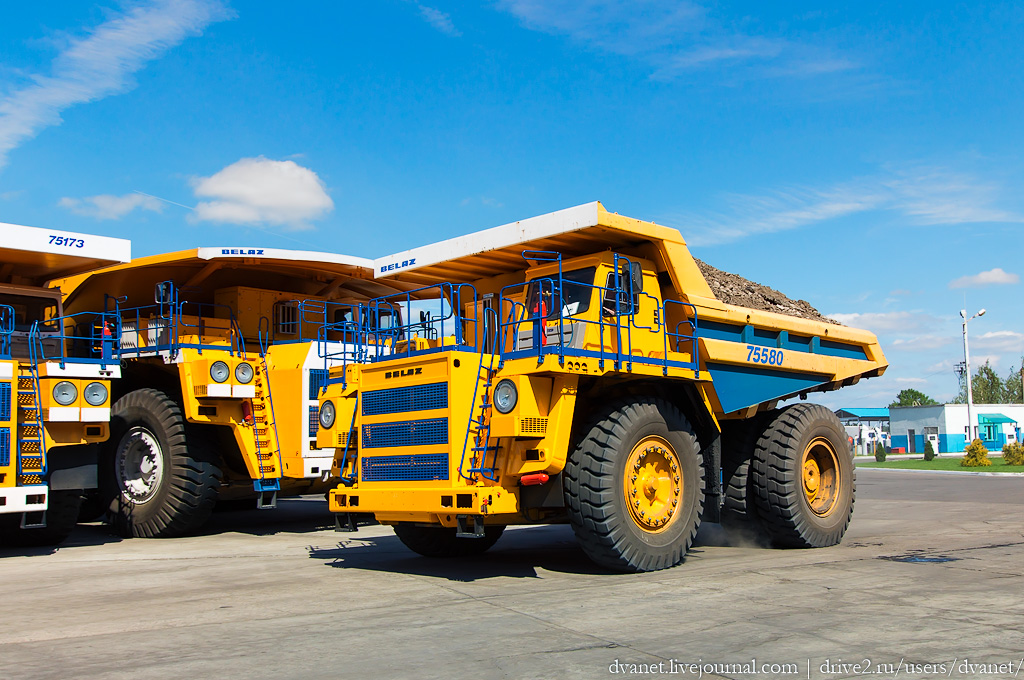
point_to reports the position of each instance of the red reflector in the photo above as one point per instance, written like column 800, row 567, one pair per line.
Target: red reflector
column 534, row 479
column 247, row 412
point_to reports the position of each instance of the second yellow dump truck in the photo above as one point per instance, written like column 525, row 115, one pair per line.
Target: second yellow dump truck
column 576, row 367
column 221, row 371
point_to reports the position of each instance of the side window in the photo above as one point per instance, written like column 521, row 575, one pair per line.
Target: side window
column 286, row 318
column 622, row 290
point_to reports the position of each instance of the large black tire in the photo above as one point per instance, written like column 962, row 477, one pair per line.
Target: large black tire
column 645, row 517
column 442, row 541
column 804, row 478
column 739, row 508
column 61, row 518
column 158, row 484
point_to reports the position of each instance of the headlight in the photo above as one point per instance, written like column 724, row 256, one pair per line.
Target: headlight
column 65, row 393
column 219, row 371
column 243, row 373
column 327, row 415
column 505, row 396
column 95, row 393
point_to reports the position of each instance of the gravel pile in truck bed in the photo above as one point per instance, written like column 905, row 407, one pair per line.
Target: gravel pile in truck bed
column 736, row 290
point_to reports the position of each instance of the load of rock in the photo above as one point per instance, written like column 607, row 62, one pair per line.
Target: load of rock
column 736, row 290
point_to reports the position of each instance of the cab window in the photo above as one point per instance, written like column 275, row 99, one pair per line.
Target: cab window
column 577, row 286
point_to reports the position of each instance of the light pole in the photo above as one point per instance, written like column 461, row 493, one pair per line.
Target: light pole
column 971, row 427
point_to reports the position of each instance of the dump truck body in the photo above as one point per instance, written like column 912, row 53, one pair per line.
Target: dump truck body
column 584, row 364
column 221, row 375
column 55, row 381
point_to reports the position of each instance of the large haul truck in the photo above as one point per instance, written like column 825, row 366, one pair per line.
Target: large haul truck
column 55, row 381
column 220, row 376
column 577, row 367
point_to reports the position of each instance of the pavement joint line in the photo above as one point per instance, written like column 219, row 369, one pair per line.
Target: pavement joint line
column 947, row 472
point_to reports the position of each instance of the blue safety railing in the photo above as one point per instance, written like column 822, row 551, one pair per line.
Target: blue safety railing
column 157, row 328
column 83, row 337
column 6, row 330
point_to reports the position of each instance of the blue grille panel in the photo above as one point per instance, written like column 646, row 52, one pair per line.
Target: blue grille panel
column 404, row 399
column 408, row 433
column 314, row 420
column 5, row 401
column 419, row 468
column 5, row 447
column 317, row 379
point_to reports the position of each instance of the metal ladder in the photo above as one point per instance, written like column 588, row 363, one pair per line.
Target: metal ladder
column 481, row 426
column 31, row 439
column 266, row 489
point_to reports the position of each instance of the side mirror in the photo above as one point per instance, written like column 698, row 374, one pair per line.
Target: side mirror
column 164, row 293
column 637, row 276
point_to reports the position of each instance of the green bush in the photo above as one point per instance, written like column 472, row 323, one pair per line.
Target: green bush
column 929, row 450
column 1013, row 454
column 879, row 452
column 976, row 455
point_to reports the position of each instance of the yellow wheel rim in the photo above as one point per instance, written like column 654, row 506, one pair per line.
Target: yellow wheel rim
column 653, row 484
column 820, row 469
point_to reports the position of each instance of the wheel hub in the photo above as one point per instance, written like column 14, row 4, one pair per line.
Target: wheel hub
column 821, row 476
column 139, row 465
column 653, row 484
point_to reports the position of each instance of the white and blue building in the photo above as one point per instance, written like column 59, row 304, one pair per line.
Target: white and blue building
column 946, row 426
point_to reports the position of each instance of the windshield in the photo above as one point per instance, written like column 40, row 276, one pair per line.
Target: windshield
column 577, row 286
column 29, row 309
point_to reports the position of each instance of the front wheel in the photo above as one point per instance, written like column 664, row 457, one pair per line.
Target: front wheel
column 431, row 541
column 804, row 478
column 634, row 486
column 156, row 482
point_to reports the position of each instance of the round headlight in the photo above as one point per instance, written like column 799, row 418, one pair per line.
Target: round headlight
column 243, row 373
column 65, row 393
column 219, row 371
column 327, row 415
column 95, row 393
column 505, row 396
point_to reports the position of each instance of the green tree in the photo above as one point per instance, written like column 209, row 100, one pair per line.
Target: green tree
column 911, row 397
column 988, row 387
column 1013, row 387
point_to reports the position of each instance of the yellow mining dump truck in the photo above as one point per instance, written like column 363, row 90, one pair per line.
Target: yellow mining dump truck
column 577, row 367
column 221, row 369
column 55, row 379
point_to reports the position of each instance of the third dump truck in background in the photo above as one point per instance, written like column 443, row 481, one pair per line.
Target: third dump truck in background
column 577, row 367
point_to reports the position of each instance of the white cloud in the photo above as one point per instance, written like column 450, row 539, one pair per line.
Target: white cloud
column 921, row 342
column 260, row 190
column 889, row 322
column 671, row 36
column 438, row 20
column 911, row 381
column 109, row 207
column 926, row 196
column 993, row 277
column 101, row 64
column 997, row 341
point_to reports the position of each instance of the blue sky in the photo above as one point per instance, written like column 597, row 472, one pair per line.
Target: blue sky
column 865, row 158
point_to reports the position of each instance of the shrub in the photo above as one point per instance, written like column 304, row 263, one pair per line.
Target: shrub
column 879, row 452
column 929, row 451
column 1013, row 454
column 976, row 455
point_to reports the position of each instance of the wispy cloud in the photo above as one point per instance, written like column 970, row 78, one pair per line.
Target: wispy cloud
column 882, row 323
column 101, row 64
column 262, row 191
column 109, row 207
column 438, row 20
column 922, row 196
column 998, row 341
column 921, row 342
column 993, row 277
column 672, row 37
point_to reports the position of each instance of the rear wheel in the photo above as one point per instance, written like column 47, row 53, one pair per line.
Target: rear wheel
column 61, row 518
column 156, row 483
column 739, row 509
column 804, row 478
column 634, row 487
column 431, row 541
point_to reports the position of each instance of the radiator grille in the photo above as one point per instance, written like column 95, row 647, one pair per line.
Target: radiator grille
column 314, row 420
column 5, row 446
column 418, row 468
column 5, row 401
column 317, row 379
column 533, row 425
column 409, row 433
column 404, row 399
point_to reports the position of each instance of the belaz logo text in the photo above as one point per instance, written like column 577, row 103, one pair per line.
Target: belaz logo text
column 241, row 251
column 403, row 373
column 398, row 265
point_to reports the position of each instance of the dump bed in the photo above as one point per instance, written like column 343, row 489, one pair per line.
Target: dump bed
column 754, row 358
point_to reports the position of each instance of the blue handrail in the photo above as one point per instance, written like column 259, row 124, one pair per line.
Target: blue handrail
column 83, row 337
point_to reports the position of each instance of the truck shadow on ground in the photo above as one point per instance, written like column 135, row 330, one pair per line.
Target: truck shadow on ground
column 520, row 553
